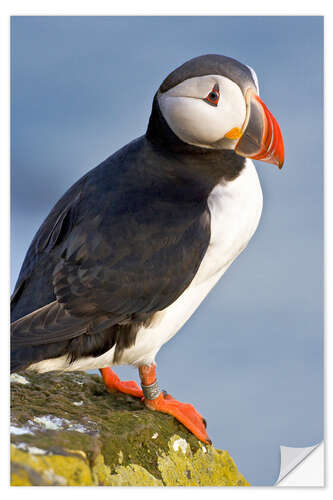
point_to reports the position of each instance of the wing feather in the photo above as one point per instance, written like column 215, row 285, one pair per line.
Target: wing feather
column 113, row 251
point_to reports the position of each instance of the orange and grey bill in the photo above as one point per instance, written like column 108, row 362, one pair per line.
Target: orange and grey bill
column 261, row 138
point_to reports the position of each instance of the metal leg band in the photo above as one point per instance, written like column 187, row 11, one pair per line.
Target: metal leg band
column 151, row 391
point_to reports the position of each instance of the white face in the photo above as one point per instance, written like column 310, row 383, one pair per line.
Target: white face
column 201, row 123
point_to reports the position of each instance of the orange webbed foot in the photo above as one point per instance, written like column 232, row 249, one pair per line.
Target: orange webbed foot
column 183, row 412
column 113, row 384
column 163, row 402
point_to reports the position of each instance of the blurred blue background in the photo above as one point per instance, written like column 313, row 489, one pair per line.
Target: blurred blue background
column 251, row 357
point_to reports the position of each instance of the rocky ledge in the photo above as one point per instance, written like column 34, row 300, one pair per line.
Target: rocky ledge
column 67, row 430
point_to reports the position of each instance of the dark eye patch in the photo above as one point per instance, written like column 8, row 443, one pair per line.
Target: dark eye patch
column 213, row 97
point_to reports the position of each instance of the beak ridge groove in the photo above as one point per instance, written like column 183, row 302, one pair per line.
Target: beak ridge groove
column 261, row 138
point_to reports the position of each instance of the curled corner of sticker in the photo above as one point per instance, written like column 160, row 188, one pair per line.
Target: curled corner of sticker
column 291, row 458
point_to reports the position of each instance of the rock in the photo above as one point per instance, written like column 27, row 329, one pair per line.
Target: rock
column 67, row 430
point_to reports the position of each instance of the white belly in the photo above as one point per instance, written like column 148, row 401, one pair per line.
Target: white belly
column 235, row 212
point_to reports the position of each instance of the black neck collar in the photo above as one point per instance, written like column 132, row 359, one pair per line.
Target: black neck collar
column 204, row 166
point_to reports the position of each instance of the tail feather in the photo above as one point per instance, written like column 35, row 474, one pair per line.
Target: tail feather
column 51, row 331
column 51, row 323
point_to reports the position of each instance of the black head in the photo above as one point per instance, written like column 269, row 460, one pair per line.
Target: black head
column 211, row 103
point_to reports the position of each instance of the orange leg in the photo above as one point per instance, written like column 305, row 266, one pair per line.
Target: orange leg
column 113, row 383
column 184, row 413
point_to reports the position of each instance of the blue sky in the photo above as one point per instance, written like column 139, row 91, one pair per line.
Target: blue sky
column 250, row 358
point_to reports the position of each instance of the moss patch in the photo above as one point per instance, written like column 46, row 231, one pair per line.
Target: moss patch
column 66, row 429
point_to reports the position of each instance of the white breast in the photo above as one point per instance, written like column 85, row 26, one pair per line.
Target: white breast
column 235, row 212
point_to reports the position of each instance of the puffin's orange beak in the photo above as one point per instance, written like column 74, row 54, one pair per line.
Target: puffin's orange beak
column 261, row 137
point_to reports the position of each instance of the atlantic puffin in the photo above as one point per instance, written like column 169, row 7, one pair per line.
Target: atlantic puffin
column 132, row 248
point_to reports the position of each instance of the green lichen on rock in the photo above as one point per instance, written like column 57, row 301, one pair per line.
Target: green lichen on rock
column 30, row 469
column 206, row 467
column 134, row 475
column 67, row 430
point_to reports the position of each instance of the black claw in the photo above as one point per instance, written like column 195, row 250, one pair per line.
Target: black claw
column 165, row 394
column 205, row 422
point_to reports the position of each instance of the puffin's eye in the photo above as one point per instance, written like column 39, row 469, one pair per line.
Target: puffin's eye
column 213, row 96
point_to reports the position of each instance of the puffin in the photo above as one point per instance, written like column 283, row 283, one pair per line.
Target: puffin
column 133, row 247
